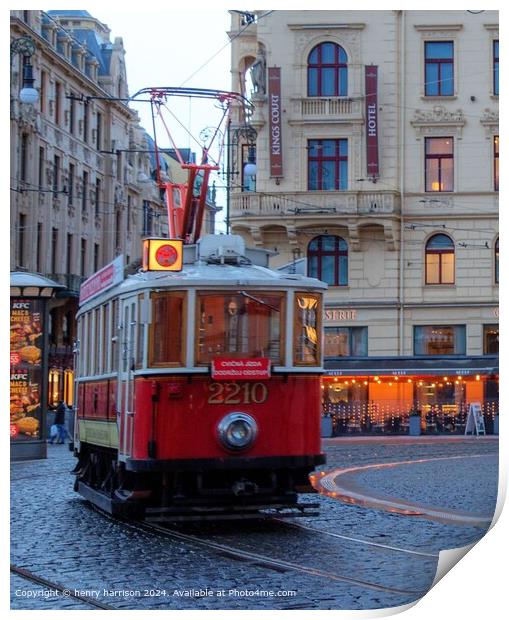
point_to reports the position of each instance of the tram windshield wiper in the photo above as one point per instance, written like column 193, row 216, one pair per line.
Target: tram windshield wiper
column 258, row 300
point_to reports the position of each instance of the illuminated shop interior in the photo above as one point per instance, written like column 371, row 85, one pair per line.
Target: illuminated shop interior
column 383, row 403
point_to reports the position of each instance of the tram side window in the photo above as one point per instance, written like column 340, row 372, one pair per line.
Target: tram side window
column 86, row 344
column 307, row 329
column 141, row 334
column 166, row 336
column 80, row 344
column 114, row 357
column 96, row 361
column 240, row 324
column 105, row 333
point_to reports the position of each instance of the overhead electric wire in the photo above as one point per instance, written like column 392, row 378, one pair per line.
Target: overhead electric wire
column 224, row 47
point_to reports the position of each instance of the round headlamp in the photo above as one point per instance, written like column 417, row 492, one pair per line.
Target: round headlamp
column 237, row 431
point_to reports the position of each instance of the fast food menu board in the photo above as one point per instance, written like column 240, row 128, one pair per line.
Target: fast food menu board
column 26, row 368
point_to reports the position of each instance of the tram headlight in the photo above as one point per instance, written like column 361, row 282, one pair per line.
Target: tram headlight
column 237, row 431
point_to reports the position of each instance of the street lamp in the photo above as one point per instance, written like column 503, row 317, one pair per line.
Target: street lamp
column 25, row 46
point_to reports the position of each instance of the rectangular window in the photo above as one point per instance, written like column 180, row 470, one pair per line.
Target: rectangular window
column 240, row 324
column 56, row 173
column 147, row 219
column 97, row 197
column 22, row 223
column 72, row 114
column 95, row 357
column 167, row 337
column 141, row 333
column 128, row 215
column 83, row 257
column 439, row 340
column 327, row 165
column 105, row 336
column 495, row 67
column 41, row 167
column 23, row 168
column 86, row 121
column 115, row 348
column 58, row 102
column 490, row 339
column 42, row 92
column 439, row 68
column 495, row 163
column 119, row 165
column 98, row 135
column 69, row 261
column 345, row 342
column 38, row 249
column 307, row 329
column 84, row 193
column 88, row 343
column 81, row 337
column 439, row 164
column 118, row 229
column 70, row 187
column 96, row 257
column 54, row 249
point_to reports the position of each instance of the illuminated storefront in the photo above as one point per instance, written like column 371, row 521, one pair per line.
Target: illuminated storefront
column 29, row 363
column 362, row 401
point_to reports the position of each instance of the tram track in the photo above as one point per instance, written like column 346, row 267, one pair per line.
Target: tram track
column 270, row 562
column 59, row 588
column 369, row 543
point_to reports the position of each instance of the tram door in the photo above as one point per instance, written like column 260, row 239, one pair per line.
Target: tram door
column 126, row 377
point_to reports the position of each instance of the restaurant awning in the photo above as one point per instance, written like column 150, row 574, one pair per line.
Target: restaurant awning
column 401, row 366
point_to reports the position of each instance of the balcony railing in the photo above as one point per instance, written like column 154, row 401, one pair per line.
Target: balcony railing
column 326, row 108
column 251, row 204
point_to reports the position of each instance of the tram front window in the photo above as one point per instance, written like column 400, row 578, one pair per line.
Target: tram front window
column 240, row 324
column 307, row 329
column 166, row 331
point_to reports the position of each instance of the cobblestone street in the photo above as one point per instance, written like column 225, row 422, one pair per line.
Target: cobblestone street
column 350, row 557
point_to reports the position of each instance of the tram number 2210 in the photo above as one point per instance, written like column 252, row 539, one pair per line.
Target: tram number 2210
column 245, row 393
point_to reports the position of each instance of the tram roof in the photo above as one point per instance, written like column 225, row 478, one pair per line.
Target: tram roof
column 207, row 275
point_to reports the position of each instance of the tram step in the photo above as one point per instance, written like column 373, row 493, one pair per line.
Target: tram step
column 262, row 511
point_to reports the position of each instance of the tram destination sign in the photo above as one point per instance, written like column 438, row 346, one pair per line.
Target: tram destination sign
column 102, row 280
column 231, row 369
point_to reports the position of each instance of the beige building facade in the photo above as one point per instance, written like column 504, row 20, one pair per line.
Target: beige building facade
column 377, row 171
column 81, row 186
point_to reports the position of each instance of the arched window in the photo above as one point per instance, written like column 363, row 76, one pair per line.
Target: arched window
column 327, row 71
column 440, row 260
column 328, row 260
column 496, row 261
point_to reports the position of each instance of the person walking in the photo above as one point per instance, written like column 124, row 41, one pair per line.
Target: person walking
column 59, row 422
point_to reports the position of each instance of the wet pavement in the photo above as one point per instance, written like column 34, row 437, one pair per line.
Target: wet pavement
column 55, row 534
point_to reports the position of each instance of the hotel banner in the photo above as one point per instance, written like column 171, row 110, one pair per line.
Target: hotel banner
column 276, row 143
column 372, row 120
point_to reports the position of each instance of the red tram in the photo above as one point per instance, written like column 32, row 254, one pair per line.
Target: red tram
column 198, row 391
column 198, row 378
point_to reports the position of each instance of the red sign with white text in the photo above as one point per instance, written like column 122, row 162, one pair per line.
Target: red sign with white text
column 105, row 278
column 231, row 369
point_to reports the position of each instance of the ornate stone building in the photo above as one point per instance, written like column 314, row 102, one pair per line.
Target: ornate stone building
column 81, row 194
column 377, row 171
